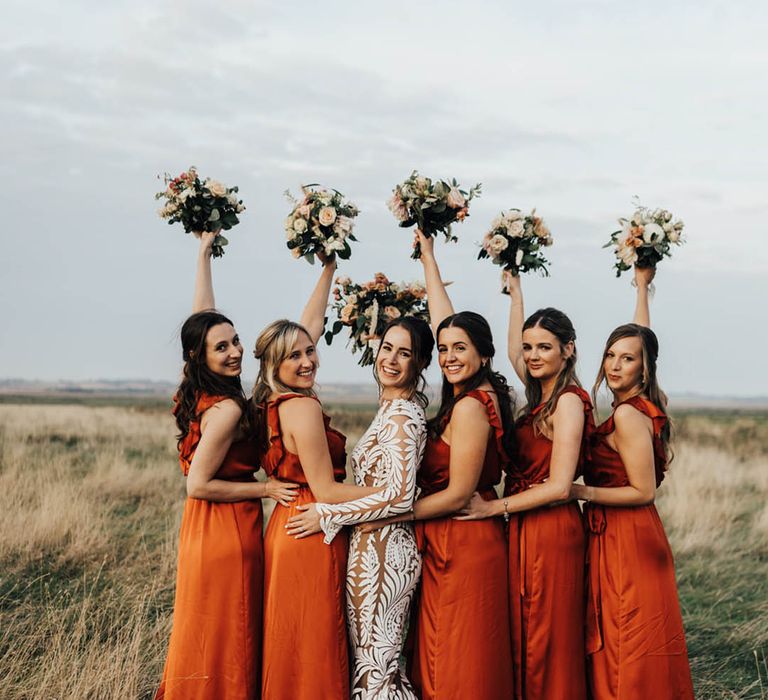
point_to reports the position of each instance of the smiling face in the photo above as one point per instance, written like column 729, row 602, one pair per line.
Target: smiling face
column 623, row 365
column 543, row 354
column 458, row 357
column 394, row 363
column 223, row 351
column 297, row 371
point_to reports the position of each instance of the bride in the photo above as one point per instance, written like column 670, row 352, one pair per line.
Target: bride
column 384, row 565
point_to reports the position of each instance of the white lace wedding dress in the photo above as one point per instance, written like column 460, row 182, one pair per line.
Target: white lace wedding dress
column 384, row 566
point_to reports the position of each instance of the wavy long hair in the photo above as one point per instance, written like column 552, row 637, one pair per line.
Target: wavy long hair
column 274, row 344
column 197, row 377
column 559, row 325
column 479, row 332
column 422, row 345
column 649, row 383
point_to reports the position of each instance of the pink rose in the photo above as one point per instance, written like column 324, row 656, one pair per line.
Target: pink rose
column 455, row 199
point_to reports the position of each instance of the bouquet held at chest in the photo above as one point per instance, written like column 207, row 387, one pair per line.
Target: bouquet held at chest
column 367, row 308
column 514, row 242
column 321, row 222
column 645, row 238
column 201, row 205
column 430, row 205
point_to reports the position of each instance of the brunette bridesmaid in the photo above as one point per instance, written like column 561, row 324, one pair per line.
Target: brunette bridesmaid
column 461, row 630
column 635, row 638
column 215, row 642
column 546, row 537
column 305, row 654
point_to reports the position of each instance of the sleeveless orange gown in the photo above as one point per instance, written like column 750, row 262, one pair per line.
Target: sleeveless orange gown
column 461, row 640
column 305, row 630
column 635, row 638
column 546, row 576
column 215, row 643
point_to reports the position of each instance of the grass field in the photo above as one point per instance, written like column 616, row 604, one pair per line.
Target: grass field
column 90, row 501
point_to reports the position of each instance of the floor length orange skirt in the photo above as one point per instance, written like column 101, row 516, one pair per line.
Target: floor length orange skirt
column 547, row 550
column 462, row 639
column 215, row 643
column 305, row 631
column 635, row 630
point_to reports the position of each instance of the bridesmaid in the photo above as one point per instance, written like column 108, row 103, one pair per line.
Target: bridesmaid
column 546, row 538
column 305, row 653
column 461, row 628
column 216, row 637
column 384, row 566
column 635, row 638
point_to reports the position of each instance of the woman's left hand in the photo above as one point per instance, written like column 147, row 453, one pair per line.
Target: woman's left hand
column 476, row 509
column 305, row 524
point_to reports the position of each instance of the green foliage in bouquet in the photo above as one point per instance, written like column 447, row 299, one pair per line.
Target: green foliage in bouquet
column 430, row 205
column 197, row 205
column 367, row 308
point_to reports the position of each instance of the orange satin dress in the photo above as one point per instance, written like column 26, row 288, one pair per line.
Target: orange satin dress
column 635, row 638
column 215, row 644
column 547, row 549
column 461, row 645
column 305, row 630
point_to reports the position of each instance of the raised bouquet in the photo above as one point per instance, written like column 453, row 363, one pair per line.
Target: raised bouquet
column 367, row 308
column 430, row 205
column 320, row 222
column 515, row 240
column 201, row 205
column 645, row 238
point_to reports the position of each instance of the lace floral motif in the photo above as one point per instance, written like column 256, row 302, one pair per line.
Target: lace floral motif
column 384, row 566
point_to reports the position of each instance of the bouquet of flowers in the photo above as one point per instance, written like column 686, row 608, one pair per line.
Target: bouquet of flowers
column 514, row 241
column 367, row 308
column 206, row 205
column 645, row 238
column 321, row 222
column 431, row 205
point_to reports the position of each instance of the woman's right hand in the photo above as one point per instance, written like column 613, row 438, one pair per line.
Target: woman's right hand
column 283, row 492
column 426, row 243
column 644, row 276
column 206, row 239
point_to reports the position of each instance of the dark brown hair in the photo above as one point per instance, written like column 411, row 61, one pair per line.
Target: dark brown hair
column 422, row 344
column 197, row 377
column 479, row 332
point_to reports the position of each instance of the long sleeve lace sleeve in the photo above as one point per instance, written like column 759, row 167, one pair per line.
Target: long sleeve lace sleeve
column 392, row 454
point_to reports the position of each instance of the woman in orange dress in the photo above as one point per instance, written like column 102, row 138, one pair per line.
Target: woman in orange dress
column 460, row 631
column 305, row 652
column 546, row 538
column 216, row 637
column 635, row 637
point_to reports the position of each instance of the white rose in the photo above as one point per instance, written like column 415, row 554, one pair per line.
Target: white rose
column 673, row 236
column 497, row 244
column 216, row 188
column 667, row 227
column 679, row 224
column 300, row 225
column 513, row 215
column 327, row 216
column 653, row 233
column 516, row 228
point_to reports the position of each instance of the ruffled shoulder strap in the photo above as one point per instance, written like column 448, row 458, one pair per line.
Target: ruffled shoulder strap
column 273, row 417
column 192, row 439
column 589, row 415
column 494, row 419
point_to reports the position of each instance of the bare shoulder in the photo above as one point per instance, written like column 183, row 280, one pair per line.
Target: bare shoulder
column 627, row 419
column 469, row 409
column 226, row 412
column 302, row 410
column 569, row 404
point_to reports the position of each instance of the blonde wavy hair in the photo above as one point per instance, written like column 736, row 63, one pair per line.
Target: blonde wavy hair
column 274, row 344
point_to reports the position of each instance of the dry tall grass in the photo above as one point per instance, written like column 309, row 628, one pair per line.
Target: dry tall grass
column 90, row 500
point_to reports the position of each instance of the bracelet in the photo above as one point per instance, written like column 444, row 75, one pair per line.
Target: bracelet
column 506, row 512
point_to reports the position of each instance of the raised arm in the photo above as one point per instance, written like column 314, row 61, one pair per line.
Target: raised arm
column 643, row 278
column 634, row 442
column 399, row 447
column 567, row 429
column 516, row 318
column 303, row 429
column 203, row 299
column 218, row 428
column 313, row 316
column 438, row 301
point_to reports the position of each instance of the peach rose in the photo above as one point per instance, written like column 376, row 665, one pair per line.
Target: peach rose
column 216, row 188
column 455, row 199
column 327, row 216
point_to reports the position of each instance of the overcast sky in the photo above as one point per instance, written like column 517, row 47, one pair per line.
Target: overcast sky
column 570, row 107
